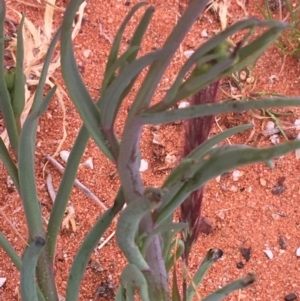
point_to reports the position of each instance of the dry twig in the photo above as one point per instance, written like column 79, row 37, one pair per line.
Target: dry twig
column 77, row 183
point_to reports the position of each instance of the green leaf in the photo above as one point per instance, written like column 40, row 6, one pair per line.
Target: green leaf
column 65, row 188
column 178, row 172
column 5, row 100
column 110, row 74
column 79, row 94
column 251, row 52
column 17, row 261
column 118, row 38
column 9, row 164
column 30, row 259
column 88, row 245
column 231, row 287
column 10, row 251
column 217, row 108
column 216, row 162
column 175, row 290
column 202, row 56
column 27, row 151
column 172, row 43
column 212, row 256
column 179, row 244
column 130, row 57
column 194, row 83
column 26, row 168
column 138, row 35
column 18, row 97
column 112, row 98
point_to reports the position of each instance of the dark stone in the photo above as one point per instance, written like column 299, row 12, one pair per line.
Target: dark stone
column 246, row 253
column 240, row 265
column 290, row 297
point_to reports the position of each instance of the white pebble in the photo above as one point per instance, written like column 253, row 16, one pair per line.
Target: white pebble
column 143, row 165
column 188, row 53
column 269, row 254
column 183, row 105
column 236, row 175
column 204, row 34
column 89, row 163
column 2, row 281
column 298, row 252
column 297, row 124
column 86, row 53
column 64, row 155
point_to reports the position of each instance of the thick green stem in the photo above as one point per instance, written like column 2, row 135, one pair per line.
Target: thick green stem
column 45, row 276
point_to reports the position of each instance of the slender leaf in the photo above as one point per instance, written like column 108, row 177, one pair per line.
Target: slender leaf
column 5, row 99
column 175, row 290
column 18, row 97
column 9, row 164
column 218, row 161
column 193, row 84
column 27, row 142
column 200, row 151
column 136, row 41
column 138, row 35
column 212, row 256
column 10, row 251
column 87, row 247
column 65, row 188
column 178, row 243
column 231, row 287
column 17, row 261
column 251, row 52
column 201, row 57
column 26, row 169
column 118, row 64
column 173, row 41
column 87, row 109
column 217, row 108
column 30, row 259
column 112, row 98
column 118, row 38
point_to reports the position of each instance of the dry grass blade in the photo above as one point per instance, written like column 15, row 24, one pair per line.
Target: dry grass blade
column 221, row 8
column 36, row 43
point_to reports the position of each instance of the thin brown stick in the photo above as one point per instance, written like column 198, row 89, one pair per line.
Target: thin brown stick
column 77, row 183
column 50, row 188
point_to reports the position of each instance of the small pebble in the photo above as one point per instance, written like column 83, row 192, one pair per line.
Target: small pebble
column 64, row 155
column 297, row 124
column 2, row 281
column 240, row 265
column 204, row 34
column 183, row 105
column 290, row 297
column 298, row 252
column 188, row 53
column 89, row 163
column 262, row 182
column 236, row 175
column 269, row 254
column 143, row 165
